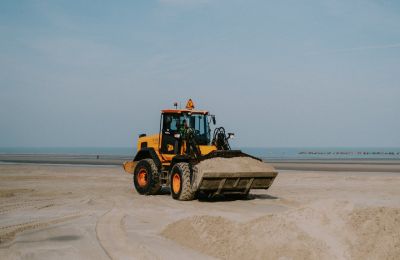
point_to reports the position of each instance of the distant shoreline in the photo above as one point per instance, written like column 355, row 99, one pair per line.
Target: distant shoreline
column 312, row 164
column 270, row 153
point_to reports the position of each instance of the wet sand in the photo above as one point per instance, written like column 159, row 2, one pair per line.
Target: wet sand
column 367, row 165
column 92, row 212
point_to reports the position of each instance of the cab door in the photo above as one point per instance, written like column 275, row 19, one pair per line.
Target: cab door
column 169, row 129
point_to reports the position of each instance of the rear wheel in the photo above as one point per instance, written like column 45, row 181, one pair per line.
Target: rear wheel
column 146, row 178
column 181, row 188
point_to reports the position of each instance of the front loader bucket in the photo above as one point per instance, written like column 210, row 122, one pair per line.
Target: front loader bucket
column 232, row 172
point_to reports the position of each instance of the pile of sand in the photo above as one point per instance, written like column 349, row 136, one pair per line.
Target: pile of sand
column 264, row 238
column 218, row 165
column 236, row 164
column 305, row 233
column 377, row 233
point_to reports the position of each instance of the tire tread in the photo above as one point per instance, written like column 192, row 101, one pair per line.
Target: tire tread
column 186, row 193
column 154, row 186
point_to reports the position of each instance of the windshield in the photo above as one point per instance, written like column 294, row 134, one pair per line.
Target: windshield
column 199, row 122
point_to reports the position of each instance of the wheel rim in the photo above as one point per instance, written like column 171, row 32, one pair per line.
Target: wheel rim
column 142, row 177
column 176, row 183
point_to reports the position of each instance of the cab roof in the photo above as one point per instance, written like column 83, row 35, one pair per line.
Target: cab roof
column 183, row 111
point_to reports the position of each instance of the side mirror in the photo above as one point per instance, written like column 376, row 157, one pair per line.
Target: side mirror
column 231, row 135
column 213, row 119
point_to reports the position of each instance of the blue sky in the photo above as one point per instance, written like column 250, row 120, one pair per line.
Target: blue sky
column 277, row 73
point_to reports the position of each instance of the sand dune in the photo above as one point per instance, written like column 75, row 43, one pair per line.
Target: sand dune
column 75, row 212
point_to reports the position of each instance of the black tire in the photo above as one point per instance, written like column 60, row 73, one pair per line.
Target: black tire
column 152, row 184
column 185, row 191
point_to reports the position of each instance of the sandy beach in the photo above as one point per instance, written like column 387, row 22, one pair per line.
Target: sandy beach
column 92, row 212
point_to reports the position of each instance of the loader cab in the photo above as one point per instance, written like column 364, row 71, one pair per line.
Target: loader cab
column 172, row 121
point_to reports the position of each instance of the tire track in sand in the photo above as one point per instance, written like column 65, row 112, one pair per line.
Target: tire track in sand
column 8, row 233
column 139, row 238
column 114, row 240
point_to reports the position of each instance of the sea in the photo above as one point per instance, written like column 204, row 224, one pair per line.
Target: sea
column 271, row 153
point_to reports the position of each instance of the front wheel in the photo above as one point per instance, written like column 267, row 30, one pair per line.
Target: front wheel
column 181, row 188
column 146, row 178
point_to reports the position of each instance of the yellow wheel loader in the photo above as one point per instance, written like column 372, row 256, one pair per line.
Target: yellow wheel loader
column 188, row 159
